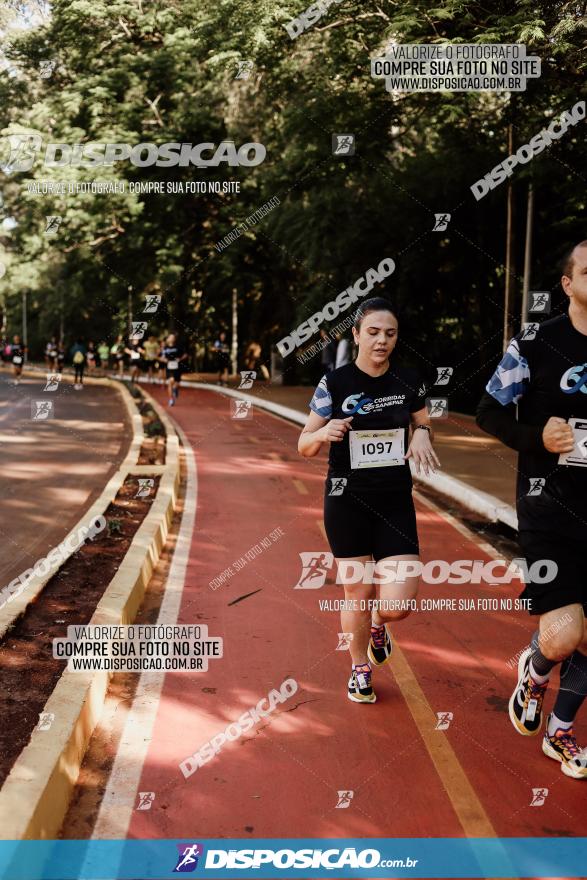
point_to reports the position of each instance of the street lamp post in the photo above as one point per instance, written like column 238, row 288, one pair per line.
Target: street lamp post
column 129, row 310
column 527, row 253
column 24, row 323
column 234, row 346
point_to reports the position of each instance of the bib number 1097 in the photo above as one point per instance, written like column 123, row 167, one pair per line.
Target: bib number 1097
column 370, row 449
column 380, row 448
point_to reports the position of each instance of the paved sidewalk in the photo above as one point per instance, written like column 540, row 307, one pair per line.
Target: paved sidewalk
column 435, row 756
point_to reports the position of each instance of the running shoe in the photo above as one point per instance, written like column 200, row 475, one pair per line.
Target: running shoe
column 526, row 701
column 172, row 401
column 360, row 689
column 380, row 647
column 562, row 746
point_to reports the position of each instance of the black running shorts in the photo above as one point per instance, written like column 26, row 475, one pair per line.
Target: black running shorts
column 570, row 583
column 377, row 524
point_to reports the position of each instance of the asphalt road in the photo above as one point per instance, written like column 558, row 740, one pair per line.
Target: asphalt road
column 52, row 469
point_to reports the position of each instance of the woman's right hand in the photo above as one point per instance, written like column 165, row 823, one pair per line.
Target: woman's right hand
column 334, row 431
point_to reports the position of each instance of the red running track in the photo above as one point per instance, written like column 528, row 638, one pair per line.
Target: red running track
column 281, row 778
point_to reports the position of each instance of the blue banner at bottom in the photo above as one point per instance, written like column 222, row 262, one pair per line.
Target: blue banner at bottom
column 295, row 857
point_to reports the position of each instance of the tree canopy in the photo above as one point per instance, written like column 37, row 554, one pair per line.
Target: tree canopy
column 166, row 71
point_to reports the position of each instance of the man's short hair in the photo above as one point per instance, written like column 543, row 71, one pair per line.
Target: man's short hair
column 568, row 261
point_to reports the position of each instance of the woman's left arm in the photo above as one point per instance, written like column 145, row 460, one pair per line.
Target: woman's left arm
column 420, row 448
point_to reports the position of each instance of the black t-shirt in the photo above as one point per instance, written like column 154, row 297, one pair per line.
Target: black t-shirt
column 135, row 349
column 172, row 353
column 375, row 403
column 545, row 376
column 17, row 351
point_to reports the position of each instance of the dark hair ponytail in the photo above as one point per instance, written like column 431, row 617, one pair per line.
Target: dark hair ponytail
column 374, row 304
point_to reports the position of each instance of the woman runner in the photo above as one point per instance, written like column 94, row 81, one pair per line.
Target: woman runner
column 91, row 357
column 136, row 352
column 103, row 354
column 60, row 355
column 17, row 353
column 364, row 410
column 51, row 354
column 117, row 353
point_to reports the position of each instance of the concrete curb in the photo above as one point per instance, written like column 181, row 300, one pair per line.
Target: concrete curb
column 481, row 503
column 486, row 505
column 36, row 794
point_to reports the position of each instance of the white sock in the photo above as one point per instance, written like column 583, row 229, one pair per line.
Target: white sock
column 555, row 724
column 540, row 679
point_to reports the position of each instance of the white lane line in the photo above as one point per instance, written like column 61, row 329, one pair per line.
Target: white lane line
column 120, row 796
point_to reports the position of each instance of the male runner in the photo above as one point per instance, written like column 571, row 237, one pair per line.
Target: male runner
column 222, row 352
column 172, row 356
column 545, row 373
column 151, row 351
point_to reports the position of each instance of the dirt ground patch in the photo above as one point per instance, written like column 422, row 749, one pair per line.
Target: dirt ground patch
column 27, row 668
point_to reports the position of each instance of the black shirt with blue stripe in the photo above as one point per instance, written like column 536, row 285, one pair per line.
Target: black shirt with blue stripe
column 375, row 403
column 542, row 374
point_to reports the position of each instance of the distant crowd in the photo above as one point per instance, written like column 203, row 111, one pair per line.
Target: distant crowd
column 133, row 355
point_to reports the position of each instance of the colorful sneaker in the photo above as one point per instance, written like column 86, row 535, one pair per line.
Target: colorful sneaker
column 526, row 701
column 563, row 747
column 360, row 690
column 380, row 647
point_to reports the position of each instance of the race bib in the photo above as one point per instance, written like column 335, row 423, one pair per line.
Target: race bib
column 370, row 449
column 578, row 456
column 17, row 359
column 172, row 365
column 135, row 355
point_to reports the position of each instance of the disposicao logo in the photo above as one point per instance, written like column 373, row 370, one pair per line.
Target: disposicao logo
column 18, row 152
column 187, row 860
